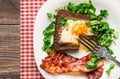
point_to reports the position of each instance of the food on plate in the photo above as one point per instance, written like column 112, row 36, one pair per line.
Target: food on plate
column 105, row 34
column 68, row 27
column 96, row 74
column 109, row 70
column 60, row 63
column 48, row 32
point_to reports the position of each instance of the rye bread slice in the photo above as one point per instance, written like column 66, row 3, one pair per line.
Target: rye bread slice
column 57, row 45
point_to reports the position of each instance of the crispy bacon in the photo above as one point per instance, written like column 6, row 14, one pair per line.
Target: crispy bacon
column 59, row 63
column 96, row 74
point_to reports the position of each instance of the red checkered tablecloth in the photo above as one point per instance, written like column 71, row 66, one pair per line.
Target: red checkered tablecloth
column 29, row 9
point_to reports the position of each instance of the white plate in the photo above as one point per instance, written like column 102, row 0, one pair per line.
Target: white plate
column 42, row 22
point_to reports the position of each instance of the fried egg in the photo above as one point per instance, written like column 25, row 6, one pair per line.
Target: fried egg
column 73, row 30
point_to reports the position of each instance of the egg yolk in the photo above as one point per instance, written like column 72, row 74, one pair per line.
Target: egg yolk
column 79, row 28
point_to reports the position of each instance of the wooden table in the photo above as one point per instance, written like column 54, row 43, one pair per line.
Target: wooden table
column 9, row 39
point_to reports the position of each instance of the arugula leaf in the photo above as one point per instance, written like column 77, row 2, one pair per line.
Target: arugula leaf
column 105, row 33
column 93, row 16
column 71, row 7
column 115, row 35
column 50, row 15
column 109, row 50
column 110, row 68
column 48, row 32
column 86, row 8
column 92, row 63
column 63, row 21
column 103, row 13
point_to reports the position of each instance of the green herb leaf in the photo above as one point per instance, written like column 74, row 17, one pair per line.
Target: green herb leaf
column 71, row 7
column 86, row 8
column 103, row 13
column 50, row 15
column 63, row 21
column 92, row 63
column 109, row 50
column 93, row 16
column 115, row 35
column 48, row 33
column 105, row 33
column 108, row 71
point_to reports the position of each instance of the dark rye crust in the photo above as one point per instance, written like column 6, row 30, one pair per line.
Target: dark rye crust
column 57, row 45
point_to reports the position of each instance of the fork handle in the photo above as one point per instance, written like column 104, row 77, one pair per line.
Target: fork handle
column 108, row 56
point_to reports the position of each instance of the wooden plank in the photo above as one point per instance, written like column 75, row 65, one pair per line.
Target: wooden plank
column 10, row 72
column 9, row 52
column 9, row 11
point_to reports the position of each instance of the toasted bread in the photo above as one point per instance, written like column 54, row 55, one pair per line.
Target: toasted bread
column 63, row 46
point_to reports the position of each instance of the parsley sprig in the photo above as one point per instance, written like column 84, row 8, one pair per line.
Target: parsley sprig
column 108, row 71
column 105, row 34
column 92, row 63
column 87, row 8
column 63, row 21
column 48, row 33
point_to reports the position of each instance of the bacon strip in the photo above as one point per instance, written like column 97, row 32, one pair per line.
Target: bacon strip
column 59, row 63
column 96, row 74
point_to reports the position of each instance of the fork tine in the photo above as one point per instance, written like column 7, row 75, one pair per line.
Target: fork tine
column 94, row 40
column 87, row 41
column 90, row 40
column 97, row 45
column 86, row 45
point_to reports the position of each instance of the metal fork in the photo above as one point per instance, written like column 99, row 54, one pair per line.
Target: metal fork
column 95, row 47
